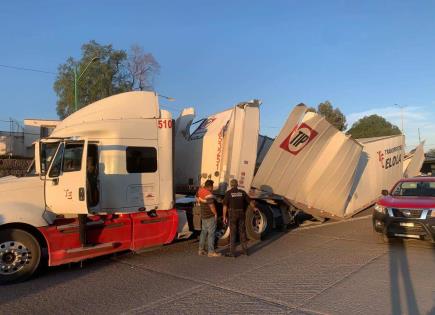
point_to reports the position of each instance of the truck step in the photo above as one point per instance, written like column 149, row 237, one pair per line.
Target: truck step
column 91, row 248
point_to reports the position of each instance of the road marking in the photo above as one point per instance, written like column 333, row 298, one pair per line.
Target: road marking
column 202, row 283
column 342, row 279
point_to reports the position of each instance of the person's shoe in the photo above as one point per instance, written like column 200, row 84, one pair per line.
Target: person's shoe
column 245, row 251
column 202, row 252
column 214, row 254
column 230, row 254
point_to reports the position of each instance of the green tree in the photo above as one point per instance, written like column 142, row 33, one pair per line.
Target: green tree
column 333, row 116
column 113, row 72
column 373, row 126
column 431, row 152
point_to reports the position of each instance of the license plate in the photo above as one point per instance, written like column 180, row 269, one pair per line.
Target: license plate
column 407, row 224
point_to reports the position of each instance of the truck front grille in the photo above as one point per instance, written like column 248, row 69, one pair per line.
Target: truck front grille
column 407, row 213
column 396, row 228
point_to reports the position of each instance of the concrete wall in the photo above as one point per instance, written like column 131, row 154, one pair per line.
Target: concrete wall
column 12, row 143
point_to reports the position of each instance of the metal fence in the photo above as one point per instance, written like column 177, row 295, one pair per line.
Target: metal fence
column 14, row 167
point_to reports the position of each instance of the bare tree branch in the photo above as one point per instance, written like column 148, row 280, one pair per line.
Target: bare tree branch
column 143, row 68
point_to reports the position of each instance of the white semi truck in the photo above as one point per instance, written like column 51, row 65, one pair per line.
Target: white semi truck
column 113, row 161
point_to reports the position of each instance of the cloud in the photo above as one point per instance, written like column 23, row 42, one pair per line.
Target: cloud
column 414, row 118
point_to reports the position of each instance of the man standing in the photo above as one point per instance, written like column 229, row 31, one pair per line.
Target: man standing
column 236, row 202
column 208, row 219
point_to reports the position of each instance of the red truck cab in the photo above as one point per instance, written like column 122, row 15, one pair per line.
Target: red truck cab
column 408, row 210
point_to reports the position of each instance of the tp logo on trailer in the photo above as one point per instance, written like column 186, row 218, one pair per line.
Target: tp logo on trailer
column 298, row 139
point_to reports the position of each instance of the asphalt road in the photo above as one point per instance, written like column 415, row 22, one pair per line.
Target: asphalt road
column 333, row 268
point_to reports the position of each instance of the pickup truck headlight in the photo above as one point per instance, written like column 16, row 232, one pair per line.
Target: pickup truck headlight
column 379, row 208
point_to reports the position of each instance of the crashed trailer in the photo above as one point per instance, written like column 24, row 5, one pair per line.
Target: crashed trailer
column 326, row 173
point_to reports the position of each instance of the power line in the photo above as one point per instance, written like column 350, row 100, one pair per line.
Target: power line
column 27, row 69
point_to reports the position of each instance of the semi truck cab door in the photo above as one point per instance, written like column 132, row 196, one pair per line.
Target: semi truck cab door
column 65, row 181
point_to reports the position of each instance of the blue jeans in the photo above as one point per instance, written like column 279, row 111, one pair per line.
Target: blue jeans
column 208, row 231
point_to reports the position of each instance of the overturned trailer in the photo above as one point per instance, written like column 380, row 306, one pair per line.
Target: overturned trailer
column 413, row 161
column 326, row 173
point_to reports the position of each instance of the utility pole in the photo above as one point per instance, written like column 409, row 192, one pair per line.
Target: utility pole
column 77, row 78
column 419, row 140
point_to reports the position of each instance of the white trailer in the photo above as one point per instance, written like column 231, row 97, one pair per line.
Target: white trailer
column 325, row 173
column 414, row 161
column 221, row 147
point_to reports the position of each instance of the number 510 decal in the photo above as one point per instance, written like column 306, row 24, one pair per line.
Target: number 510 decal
column 164, row 123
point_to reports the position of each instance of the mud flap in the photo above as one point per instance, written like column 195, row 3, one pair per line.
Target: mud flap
column 196, row 218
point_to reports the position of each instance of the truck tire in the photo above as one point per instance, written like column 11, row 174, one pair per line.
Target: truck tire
column 223, row 236
column 258, row 224
column 20, row 255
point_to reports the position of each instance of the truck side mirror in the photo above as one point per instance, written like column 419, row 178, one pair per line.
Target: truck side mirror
column 384, row 192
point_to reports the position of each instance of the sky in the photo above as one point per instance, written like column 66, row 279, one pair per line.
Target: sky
column 362, row 56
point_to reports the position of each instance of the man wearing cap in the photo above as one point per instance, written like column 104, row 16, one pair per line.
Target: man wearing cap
column 206, row 200
column 236, row 201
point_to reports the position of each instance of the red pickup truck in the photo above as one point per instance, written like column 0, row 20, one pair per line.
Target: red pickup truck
column 408, row 210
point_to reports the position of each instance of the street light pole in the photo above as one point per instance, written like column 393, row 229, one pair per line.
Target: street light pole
column 77, row 78
column 401, row 113
column 75, row 88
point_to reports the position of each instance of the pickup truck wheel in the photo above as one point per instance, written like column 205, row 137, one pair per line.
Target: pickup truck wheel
column 20, row 255
column 258, row 223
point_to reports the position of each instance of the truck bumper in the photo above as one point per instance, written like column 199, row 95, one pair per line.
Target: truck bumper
column 404, row 227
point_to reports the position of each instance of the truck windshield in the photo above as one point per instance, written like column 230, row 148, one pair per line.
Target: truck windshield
column 48, row 149
column 31, row 171
column 417, row 188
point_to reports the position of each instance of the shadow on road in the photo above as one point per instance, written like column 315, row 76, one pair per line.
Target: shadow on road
column 266, row 242
column 276, row 235
column 399, row 271
column 49, row 277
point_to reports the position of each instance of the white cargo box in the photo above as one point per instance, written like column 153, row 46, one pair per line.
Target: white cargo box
column 325, row 172
column 220, row 147
column 414, row 161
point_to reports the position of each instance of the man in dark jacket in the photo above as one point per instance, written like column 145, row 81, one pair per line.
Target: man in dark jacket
column 236, row 201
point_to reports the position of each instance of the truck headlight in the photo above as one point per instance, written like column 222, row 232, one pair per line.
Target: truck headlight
column 379, row 208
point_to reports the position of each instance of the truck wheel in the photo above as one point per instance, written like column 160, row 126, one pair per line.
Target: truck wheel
column 20, row 255
column 223, row 236
column 258, row 223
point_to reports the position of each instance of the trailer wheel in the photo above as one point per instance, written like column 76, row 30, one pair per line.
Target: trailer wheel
column 223, row 236
column 20, row 255
column 258, row 223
